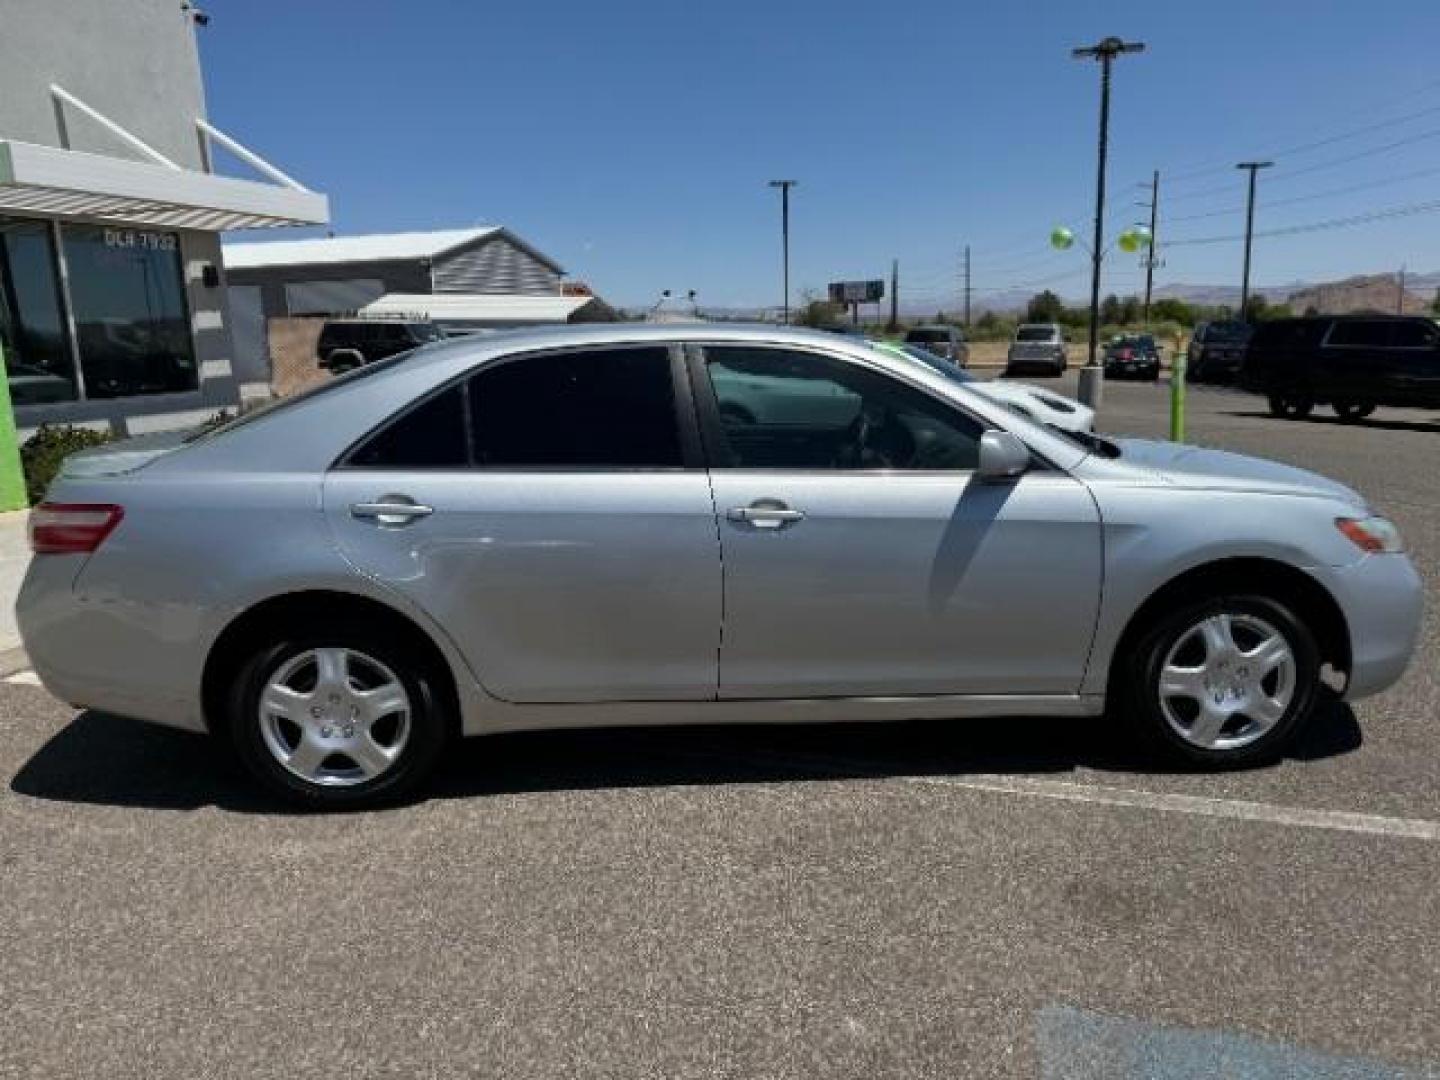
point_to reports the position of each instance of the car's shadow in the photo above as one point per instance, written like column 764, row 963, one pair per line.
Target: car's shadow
column 1368, row 422
column 104, row 760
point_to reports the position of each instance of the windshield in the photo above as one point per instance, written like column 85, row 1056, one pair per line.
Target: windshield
column 1036, row 333
column 1227, row 332
column 935, row 363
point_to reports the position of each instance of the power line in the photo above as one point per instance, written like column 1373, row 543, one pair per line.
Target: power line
column 1207, row 169
column 1315, row 196
column 1318, row 226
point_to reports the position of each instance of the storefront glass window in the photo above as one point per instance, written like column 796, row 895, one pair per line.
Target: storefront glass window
column 127, row 293
column 32, row 326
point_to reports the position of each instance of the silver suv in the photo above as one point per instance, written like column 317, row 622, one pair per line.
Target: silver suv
column 1037, row 348
column 947, row 342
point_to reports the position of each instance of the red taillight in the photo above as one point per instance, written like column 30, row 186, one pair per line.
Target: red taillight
column 72, row 528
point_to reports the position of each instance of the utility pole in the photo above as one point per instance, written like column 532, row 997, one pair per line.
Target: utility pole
column 967, row 286
column 1253, row 167
column 1400, row 293
column 894, row 295
column 1092, row 377
column 1150, row 251
column 785, row 186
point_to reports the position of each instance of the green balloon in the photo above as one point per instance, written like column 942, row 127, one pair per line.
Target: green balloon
column 1144, row 235
column 1129, row 241
column 1061, row 238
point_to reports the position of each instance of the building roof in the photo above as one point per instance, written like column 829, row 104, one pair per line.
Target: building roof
column 373, row 247
column 495, row 309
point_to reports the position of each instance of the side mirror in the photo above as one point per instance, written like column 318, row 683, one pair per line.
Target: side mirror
column 1002, row 457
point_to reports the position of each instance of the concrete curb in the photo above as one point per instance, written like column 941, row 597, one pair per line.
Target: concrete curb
column 13, row 660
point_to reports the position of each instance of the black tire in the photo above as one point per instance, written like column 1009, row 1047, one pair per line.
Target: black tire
column 1351, row 411
column 429, row 720
column 1290, row 406
column 1138, row 672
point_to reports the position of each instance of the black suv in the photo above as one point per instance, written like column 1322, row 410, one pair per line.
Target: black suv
column 1215, row 352
column 350, row 343
column 1351, row 363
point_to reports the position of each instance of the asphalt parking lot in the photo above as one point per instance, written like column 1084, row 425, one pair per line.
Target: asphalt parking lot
column 987, row 898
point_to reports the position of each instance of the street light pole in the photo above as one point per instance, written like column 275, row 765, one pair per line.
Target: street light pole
column 785, row 186
column 1253, row 167
column 1092, row 377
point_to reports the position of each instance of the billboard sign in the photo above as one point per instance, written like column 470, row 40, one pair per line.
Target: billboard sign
column 857, row 292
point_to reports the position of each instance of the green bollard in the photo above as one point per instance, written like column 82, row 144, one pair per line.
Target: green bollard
column 1177, row 395
column 12, row 476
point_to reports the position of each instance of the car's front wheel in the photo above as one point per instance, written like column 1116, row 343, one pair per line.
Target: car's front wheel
column 1290, row 406
column 1222, row 683
column 340, row 719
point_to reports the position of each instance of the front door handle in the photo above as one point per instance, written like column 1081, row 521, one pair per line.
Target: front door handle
column 765, row 514
column 391, row 510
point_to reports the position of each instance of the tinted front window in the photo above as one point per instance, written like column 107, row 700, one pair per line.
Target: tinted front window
column 1360, row 332
column 1415, row 335
column 782, row 409
column 587, row 409
column 429, row 436
column 131, row 319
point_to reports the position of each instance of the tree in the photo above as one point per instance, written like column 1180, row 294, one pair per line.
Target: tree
column 1110, row 311
column 817, row 312
column 1044, row 307
column 1130, row 310
column 1435, row 304
column 1171, row 310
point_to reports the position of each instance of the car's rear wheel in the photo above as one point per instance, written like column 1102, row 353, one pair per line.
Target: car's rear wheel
column 1222, row 683
column 1350, row 411
column 342, row 719
column 1290, row 405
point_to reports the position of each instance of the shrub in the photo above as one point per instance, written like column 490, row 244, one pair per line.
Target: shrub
column 43, row 453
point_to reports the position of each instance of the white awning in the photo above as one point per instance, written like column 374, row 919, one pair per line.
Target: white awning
column 48, row 180
column 481, row 309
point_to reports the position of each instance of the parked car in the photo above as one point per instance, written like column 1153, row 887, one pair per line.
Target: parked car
column 542, row 529
column 352, row 343
column 1037, row 347
column 1215, row 352
column 944, row 341
column 1132, row 356
column 1044, row 405
column 1351, row 363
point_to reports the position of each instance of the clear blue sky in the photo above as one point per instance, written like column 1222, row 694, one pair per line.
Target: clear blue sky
column 632, row 141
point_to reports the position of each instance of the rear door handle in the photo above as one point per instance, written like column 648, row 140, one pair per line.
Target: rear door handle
column 391, row 510
column 765, row 514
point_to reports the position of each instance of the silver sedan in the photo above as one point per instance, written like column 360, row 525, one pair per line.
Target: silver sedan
column 659, row 524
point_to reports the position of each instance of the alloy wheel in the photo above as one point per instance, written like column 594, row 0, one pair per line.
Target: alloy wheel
column 335, row 717
column 1227, row 681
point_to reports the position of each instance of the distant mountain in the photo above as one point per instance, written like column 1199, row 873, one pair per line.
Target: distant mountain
column 1366, row 292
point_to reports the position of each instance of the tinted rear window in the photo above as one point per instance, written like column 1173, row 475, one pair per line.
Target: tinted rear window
column 430, row 436
column 586, row 409
column 1036, row 333
column 1360, row 333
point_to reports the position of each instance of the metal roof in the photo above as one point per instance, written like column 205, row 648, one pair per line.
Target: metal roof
column 49, row 180
column 493, row 308
column 375, row 247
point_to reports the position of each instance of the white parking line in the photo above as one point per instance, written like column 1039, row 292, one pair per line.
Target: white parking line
column 1234, row 809
column 24, row 678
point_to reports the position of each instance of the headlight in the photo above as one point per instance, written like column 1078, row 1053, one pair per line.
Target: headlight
column 1373, row 534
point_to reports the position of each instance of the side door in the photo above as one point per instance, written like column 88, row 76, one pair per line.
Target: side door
column 1354, row 360
column 552, row 513
column 862, row 557
column 1415, row 364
